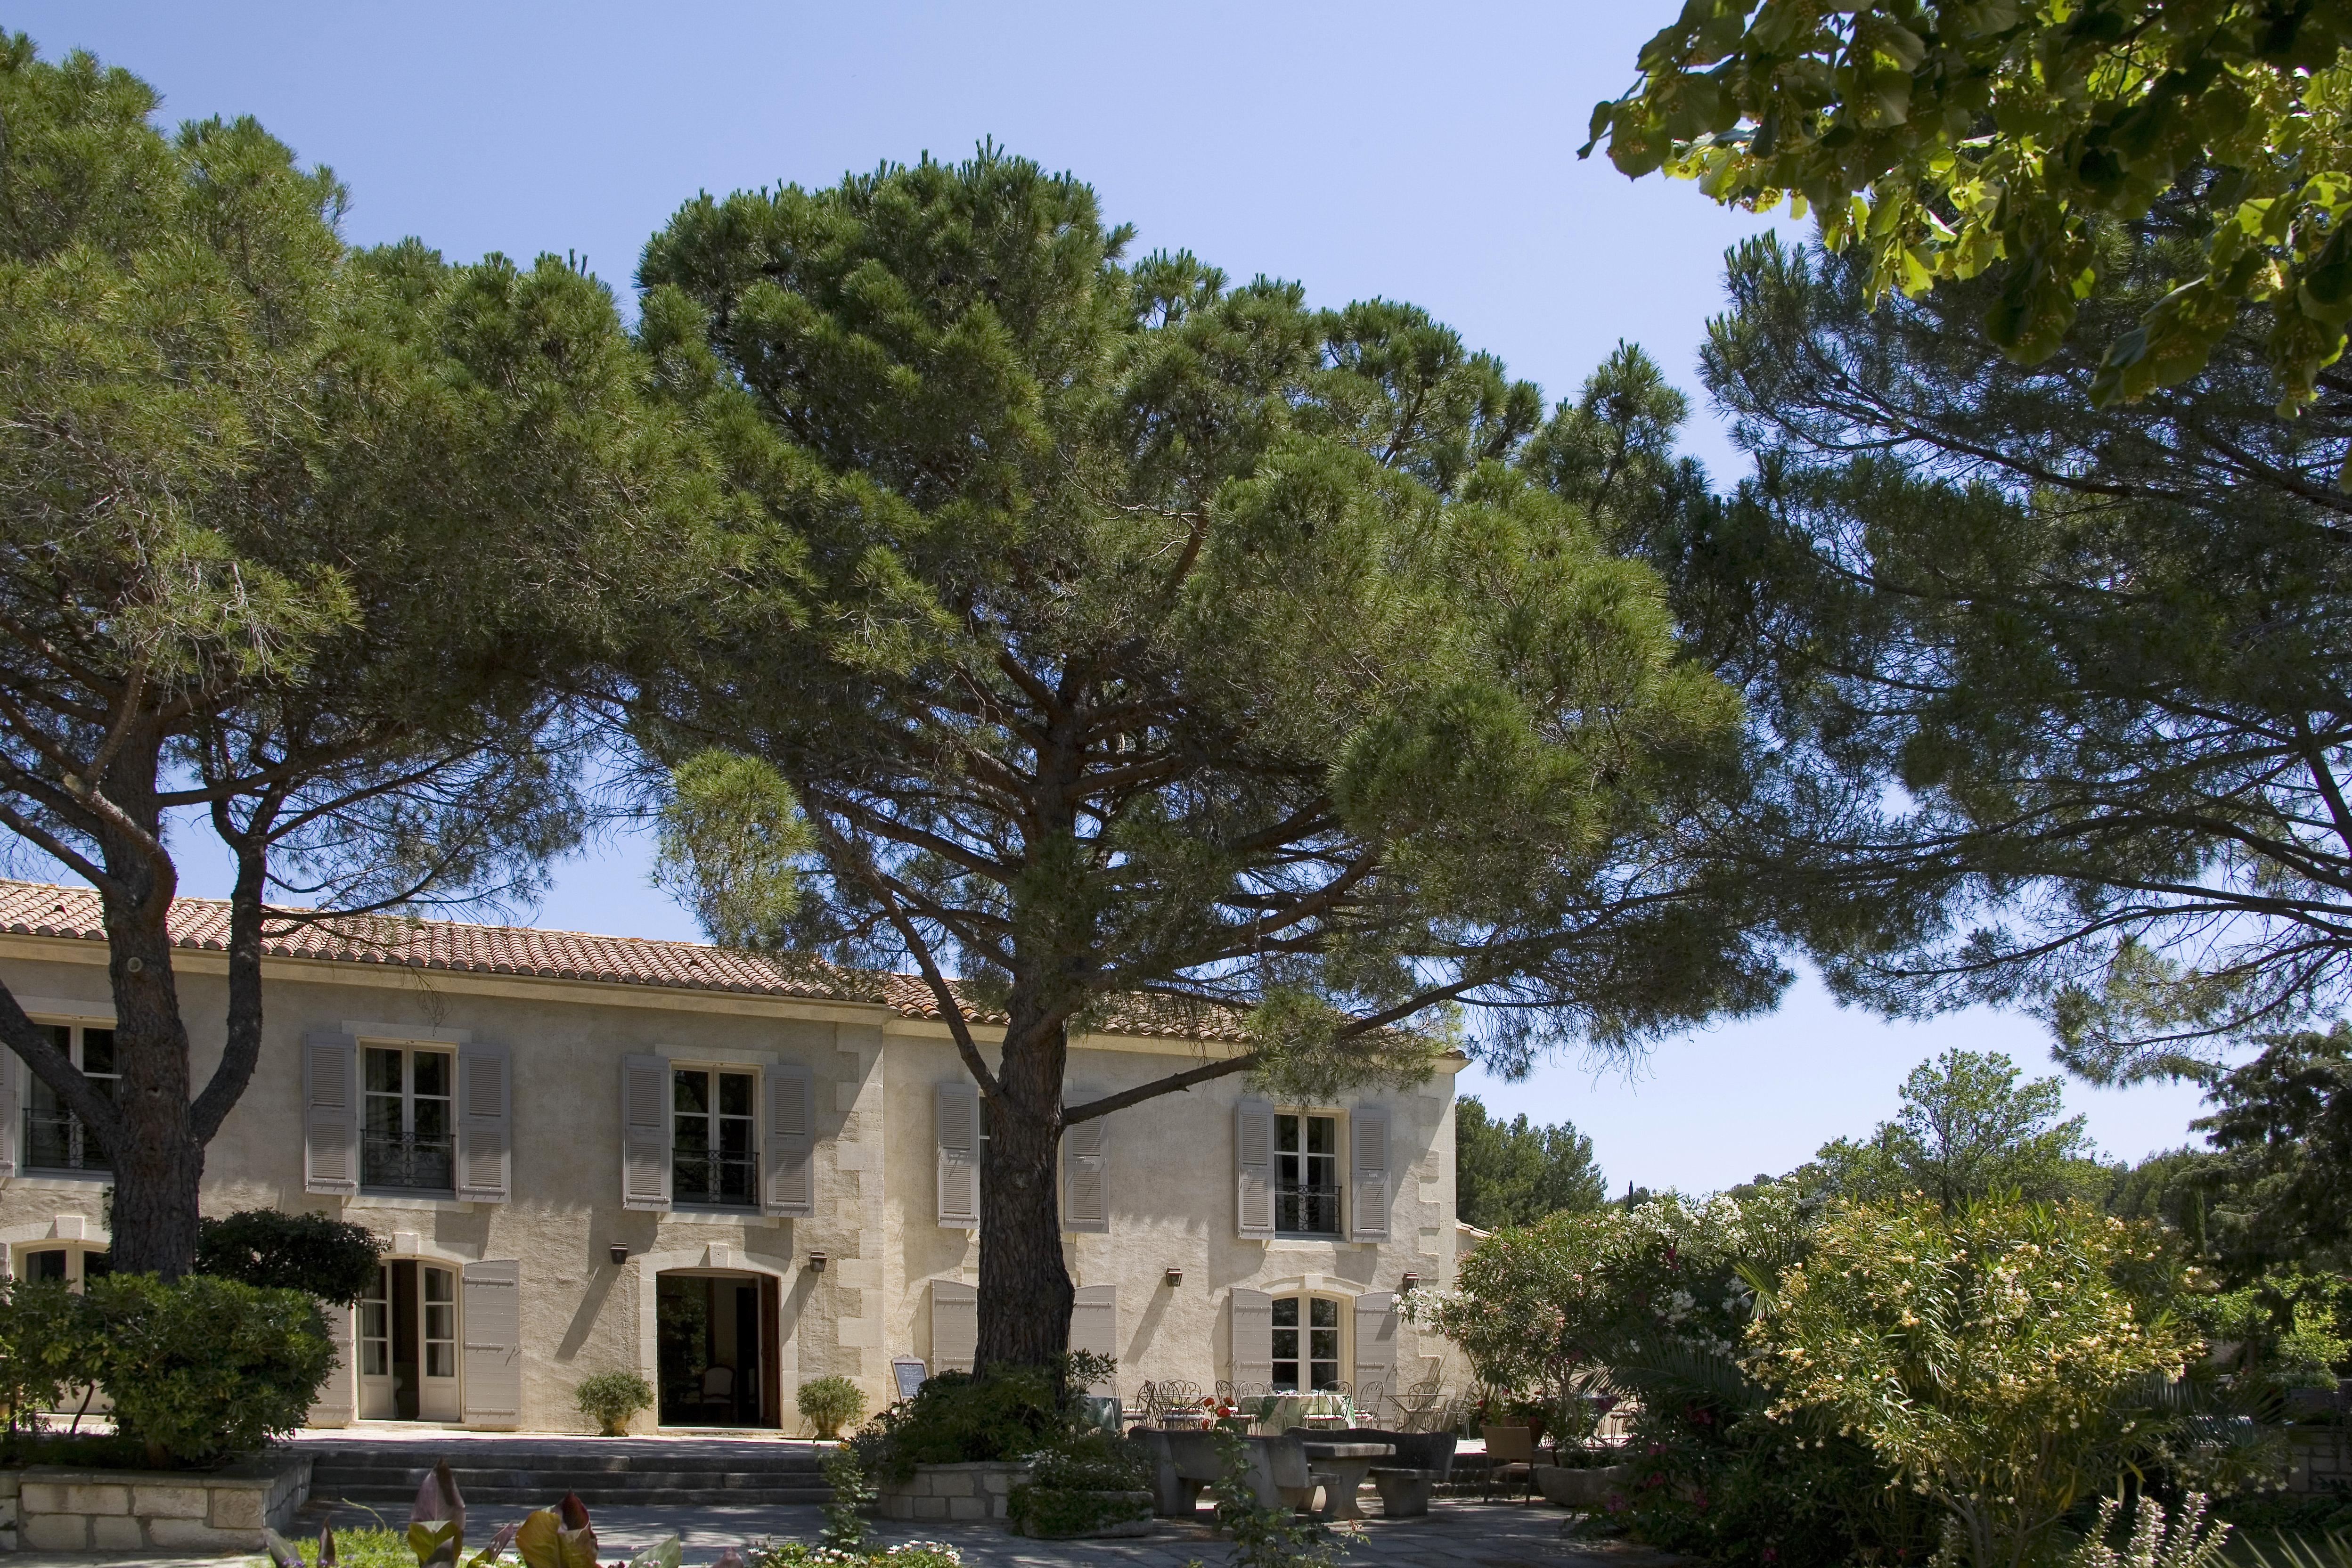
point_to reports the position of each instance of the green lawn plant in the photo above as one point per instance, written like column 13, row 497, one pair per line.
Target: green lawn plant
column 610, row 1398
column 2005, row 1359
column 829, row 1404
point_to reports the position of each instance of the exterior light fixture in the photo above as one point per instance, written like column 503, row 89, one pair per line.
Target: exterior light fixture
column 620, row 1251
column 1175, row 1277
column 816, row 1262
column 1411, row 1280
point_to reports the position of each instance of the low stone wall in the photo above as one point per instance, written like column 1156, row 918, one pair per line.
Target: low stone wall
column 943, row 1492
column 49, row 1509
column 2319, row 1458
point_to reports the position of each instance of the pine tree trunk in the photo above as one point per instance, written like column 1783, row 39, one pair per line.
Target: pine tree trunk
column 1024, row 1287
column 158, row 1161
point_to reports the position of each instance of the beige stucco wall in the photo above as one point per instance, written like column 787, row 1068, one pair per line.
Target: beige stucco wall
column 1171, row 1173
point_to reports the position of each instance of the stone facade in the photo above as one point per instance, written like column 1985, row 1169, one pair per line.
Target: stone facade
column 941, row 1493
column 49, row 1509
column 557, row 1265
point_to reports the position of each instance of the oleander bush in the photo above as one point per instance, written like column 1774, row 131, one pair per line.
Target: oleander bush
column 610, row 1398
column 44, row 1346
column 202, row 1367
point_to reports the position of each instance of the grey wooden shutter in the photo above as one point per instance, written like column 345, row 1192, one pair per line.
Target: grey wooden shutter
column 331, row 1114
column 644, row 1133
column 1254, row 1168
column 485, row 1124
column 338, row 1401
column 1252, row 1332
column 956, row 1119
column 8, row 1112
column 1094, row 1326
column 1367, row 1163
column 1085, row 1176
column 955, row 1326
column 490, row 1320
column 791, row 1130
column 1376, row 1347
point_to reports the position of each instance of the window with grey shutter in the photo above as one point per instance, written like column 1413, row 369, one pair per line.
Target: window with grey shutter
column 955, row 1326
column 644, row 1133
column 956, row 1119
column 1376, row 1350
column 338, row 1401
column 1094, row 1327
column 1254, row 1168
column 492, row 1321
column 1251, row 1337
column 1367, row 1186
column 331, row 1114
column 791, row 1133
column 1085, row 1176
column 485, row 1124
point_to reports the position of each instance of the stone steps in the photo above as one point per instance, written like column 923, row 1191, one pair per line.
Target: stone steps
column 536, row 1474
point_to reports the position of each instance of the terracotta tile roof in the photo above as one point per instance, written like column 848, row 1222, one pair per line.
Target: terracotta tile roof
column 41, row 908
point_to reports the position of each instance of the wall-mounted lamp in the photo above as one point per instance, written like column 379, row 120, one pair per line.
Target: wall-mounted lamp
column 1411, row 1280
column 1175, row 1277
column 816, row 1262
column 619, row 1251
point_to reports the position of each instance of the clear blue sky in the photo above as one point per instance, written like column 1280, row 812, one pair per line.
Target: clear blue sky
column 1420, row 153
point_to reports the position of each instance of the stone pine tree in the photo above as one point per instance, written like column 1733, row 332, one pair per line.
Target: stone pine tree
column 1138, row 645
column 293, row 539
column 2065, row 685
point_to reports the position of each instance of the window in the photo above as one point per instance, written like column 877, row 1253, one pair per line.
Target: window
column 440, row 1322
column 55, row 1138
column 375, row 1326
column 712, row 1157
column 1305, row 1174
column 409, row 1139
column 70, row 1267
column 1306, row 1343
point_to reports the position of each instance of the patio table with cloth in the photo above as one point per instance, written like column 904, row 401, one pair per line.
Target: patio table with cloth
column 1288, row 1410
column 1341, row 1467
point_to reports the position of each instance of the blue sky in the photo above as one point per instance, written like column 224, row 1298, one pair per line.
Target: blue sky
column 1420, row 153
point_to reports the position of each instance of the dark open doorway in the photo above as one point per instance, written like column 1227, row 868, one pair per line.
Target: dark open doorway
column 715, row 1343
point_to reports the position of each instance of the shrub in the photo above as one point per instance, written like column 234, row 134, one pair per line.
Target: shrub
column 204, row 1366
column 333, row 1259
column 958, row 1418
column 845, row 1512
column 1083, row 1483
column 44, row 1346
column 906, row 1554
column 829, row 1404
column 2004, row 1360
column 610, row 1398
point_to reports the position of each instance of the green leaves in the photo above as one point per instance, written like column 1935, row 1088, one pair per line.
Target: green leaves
column 730, row 842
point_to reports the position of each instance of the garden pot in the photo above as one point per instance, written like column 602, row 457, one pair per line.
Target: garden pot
column 1582, row 1489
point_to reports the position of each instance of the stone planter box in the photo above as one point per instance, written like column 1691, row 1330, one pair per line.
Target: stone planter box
column 46, row 1508
column 1125, row 1529
column 1582, row 1489
column 940, row 1492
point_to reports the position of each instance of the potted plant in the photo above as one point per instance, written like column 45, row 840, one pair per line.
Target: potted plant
column 611, row 1399
column 829, row 1404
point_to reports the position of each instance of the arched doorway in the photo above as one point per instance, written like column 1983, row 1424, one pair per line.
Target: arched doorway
column 716, row 1343
column 408, row 1343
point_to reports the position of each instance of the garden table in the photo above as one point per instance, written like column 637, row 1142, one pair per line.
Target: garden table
column 1341, row 1467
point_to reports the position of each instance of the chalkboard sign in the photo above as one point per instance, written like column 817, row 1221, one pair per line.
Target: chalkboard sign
column 910, row 1373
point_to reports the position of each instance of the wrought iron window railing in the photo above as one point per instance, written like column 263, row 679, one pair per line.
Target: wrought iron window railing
column 57, row 1141
column 413, row 1162
column 1302, row 1208
column 717, row 1180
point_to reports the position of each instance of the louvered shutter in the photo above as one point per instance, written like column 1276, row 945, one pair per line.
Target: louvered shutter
column 1254, row 1168
column 955, row 1326
column 955, row 1118
column 791, row 1133
column 1367, row 1161
column 8, row 1112
column 644, row 1133
column 1252, row 1330
column 338, row 1401
column 1085, row 1176
column 485, row 1124
column 331, row 1114
column 1094, row 1326
column 1375, row 1348
column 490, row 1305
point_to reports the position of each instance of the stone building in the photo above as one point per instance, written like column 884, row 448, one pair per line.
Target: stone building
column 724, row 1171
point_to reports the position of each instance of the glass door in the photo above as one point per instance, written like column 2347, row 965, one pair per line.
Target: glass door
column 407, row 1334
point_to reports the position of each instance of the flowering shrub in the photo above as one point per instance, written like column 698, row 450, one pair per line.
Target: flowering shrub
column 906, row 1554
column 2001, row 1360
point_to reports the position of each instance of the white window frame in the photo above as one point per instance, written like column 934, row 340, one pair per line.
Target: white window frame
column 1342, row 1359
column 371, row 1180
column 1337, row 1160
column 77, row 1256
column 755, row 1124
column 100, row 1168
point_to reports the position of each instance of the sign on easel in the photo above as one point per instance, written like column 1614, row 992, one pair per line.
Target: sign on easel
column 910, row 1373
